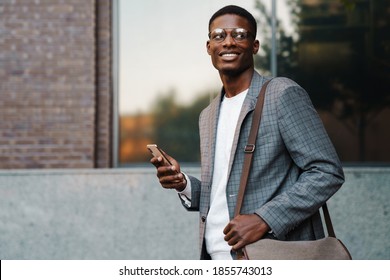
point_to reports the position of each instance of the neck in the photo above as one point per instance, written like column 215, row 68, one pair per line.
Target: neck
column 233, row 85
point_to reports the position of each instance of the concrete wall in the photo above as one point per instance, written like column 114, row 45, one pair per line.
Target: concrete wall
column 125, row 214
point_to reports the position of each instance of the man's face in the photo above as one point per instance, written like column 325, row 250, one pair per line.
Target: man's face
column 232, row 56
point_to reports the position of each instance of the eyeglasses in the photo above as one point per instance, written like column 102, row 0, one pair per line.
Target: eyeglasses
column 238, row 34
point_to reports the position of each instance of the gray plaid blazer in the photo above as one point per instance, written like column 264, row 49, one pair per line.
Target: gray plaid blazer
column 295, row 167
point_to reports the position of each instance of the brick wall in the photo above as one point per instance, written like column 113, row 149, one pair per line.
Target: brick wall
column 54, row 99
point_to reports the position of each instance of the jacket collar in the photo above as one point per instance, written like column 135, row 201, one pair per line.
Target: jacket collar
column 248, row 106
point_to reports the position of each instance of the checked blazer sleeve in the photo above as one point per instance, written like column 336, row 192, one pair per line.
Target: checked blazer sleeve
column 317, row 175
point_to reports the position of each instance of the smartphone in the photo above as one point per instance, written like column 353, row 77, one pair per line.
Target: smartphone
column 157, row 152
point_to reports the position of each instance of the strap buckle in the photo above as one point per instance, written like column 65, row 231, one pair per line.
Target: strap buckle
column 250, row 148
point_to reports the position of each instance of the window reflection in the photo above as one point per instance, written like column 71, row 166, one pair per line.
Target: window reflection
column 343, row 61
column 339, row 51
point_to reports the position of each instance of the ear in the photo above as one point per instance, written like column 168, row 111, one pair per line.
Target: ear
column 208, row 47
column 256, row 46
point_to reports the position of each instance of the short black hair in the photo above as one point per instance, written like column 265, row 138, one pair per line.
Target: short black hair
column 236, row 10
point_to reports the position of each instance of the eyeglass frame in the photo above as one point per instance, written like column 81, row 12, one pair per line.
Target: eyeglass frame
column 248, row 34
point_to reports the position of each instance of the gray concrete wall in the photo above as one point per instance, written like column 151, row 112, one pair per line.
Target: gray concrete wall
column 125, row 214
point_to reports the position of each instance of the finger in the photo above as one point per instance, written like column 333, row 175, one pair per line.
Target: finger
column 231, row 237
column 239, row 245
column 165, row 170
column 227, row 228
column 177, row 186
column 170, row 186
column 228, row 235
column 176, row 181
column 156, row 161
column 233, row 240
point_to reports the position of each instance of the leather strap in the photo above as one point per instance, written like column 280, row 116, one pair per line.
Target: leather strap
column 250, row 148
column 328, row 221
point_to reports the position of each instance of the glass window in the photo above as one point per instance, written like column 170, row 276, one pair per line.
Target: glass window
column 165, row 75
column 339, row 51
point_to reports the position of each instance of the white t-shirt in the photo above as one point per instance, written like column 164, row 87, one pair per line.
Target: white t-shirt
column 218, row 216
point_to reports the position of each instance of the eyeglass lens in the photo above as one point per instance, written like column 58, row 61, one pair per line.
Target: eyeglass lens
column 219, row 34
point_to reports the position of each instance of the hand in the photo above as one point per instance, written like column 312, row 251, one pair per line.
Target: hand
column 245, row 229
column 170, row 176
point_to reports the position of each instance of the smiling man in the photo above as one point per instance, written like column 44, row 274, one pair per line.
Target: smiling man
column 231, row 49
column 295, row 167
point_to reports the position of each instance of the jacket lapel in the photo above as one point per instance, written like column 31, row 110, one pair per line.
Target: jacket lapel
column 247, row 107
column 213, row 124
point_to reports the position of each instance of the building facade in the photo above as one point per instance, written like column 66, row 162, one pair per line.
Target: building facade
column 56, row 84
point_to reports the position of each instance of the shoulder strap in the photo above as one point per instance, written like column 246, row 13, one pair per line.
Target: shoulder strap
column 328, row 221
column 250, row 148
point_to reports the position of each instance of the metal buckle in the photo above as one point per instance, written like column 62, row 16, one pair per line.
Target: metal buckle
column 250, row 148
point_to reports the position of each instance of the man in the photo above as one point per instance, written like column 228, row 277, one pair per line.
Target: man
column 295, row 167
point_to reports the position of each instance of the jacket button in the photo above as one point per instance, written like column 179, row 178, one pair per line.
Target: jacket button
column 203, row 219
